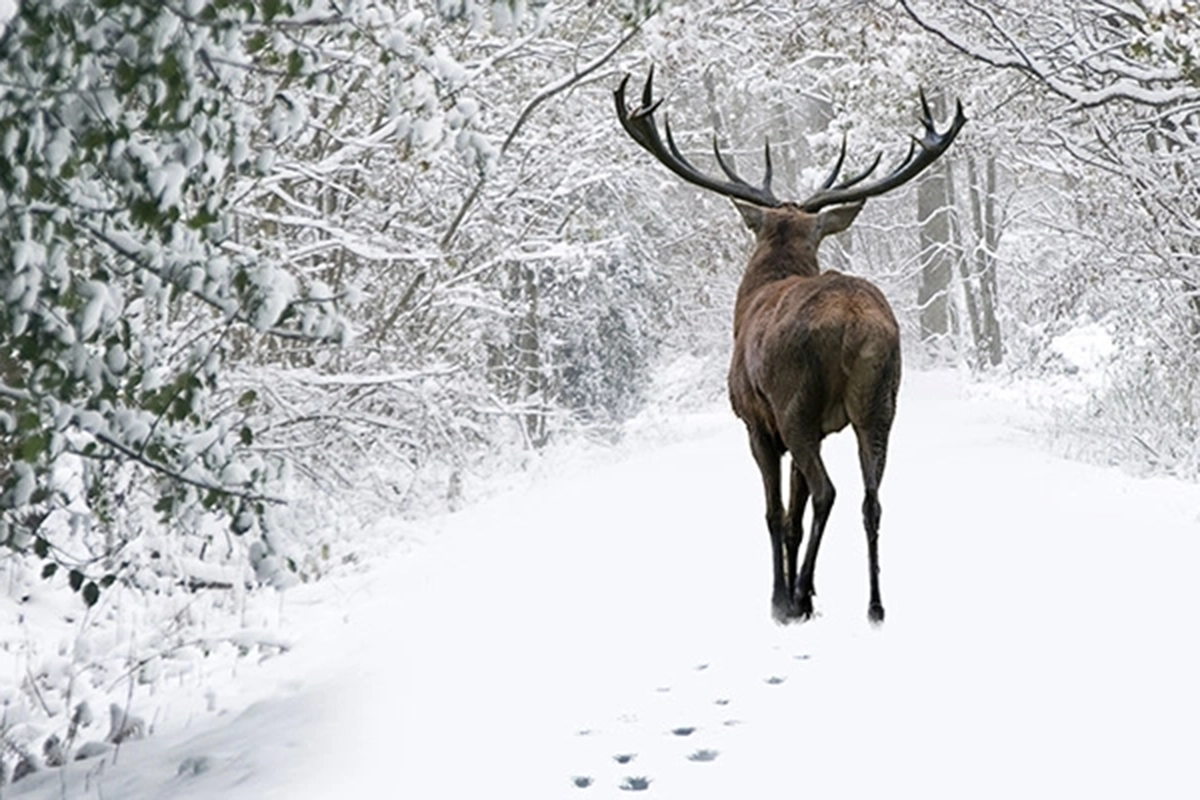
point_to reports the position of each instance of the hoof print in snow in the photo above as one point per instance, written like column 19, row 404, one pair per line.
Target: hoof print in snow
column 194, row 765
column 802, row 657
column 729, row 723
column 624, row 758
column 775, row 680
column 663, row 689
column 585, row 732
column 704, row 755
column 581, row 781
column 683, row 731
column 701, row 667
column 722, row 701
column 635, row 785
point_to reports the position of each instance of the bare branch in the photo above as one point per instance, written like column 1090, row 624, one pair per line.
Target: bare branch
column 1131, row 83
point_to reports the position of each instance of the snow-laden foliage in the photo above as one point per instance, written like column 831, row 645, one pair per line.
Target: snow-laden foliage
column 357, row 256
column 255, row 250
column 126, row 456
column 501, row 289
column 1109, row 94
column 123, row 132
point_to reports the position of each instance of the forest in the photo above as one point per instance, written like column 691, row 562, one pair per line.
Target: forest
column 274, row 269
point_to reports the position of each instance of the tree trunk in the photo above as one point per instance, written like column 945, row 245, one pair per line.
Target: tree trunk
column 987, row 241
column 936, row 258
column 955, row 251
column 529, row 362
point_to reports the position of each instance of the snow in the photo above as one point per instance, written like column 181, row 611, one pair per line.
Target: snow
column 1039, row 639
column 1087, row 348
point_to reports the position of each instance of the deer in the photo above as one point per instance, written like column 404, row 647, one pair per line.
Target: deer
column 813, row 351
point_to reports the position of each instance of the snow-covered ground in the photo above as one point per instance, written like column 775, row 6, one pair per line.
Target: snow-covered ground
column 608, row 629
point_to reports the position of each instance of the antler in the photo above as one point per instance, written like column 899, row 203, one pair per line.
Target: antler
column 639, row 124
column 932, row 144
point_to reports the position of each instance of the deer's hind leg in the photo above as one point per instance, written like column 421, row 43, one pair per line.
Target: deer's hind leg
column 872, row 415
column 872, row 454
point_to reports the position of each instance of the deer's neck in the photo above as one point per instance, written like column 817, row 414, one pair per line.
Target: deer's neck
column 770, row 265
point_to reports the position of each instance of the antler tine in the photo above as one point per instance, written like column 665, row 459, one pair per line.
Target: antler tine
column 837, row 167
column 725, row 166
column 926, row 114
column 640, row 126
column 648, row 88
column 673, row 148
column 768, row 170
column 912, row 149
column 862, row 176
column 932, row 144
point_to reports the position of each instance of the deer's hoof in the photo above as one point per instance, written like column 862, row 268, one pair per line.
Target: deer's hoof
column 783, row 610
column 804, row 607
column 875, row 614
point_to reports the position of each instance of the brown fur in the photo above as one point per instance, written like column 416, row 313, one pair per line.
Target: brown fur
column 812, row 353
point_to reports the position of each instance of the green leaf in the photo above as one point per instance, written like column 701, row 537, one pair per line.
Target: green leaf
column 75, row 579
column 295, row 63
column 202, row 218
column 126, row 75
column 91, row 593
column 247, row 436
column 49, row 570
column 93, row 138
column 107, row 581
column 169, row 69
column 144, row 211
column 41, row 547
column 247, row 399
column 32, row 447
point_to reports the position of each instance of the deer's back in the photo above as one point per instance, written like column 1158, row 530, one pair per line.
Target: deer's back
column 815, row 353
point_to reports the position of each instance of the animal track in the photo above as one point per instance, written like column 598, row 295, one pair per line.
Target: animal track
column 646, row 731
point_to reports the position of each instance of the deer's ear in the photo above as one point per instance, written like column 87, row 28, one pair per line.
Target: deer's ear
column 752, row 215
column 838, row 218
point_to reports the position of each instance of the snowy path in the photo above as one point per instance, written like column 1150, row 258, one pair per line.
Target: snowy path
column 1040, row 641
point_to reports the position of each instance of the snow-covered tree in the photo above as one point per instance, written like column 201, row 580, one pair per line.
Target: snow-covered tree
column 124, row 126
column 1117, row 87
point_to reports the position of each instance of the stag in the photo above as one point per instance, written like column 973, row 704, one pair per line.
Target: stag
column 813, row 351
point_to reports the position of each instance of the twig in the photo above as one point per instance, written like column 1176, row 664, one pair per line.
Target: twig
column 545, row 94
column 174, row 475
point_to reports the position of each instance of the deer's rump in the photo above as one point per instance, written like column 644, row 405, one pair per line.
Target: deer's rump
column 822, row 352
